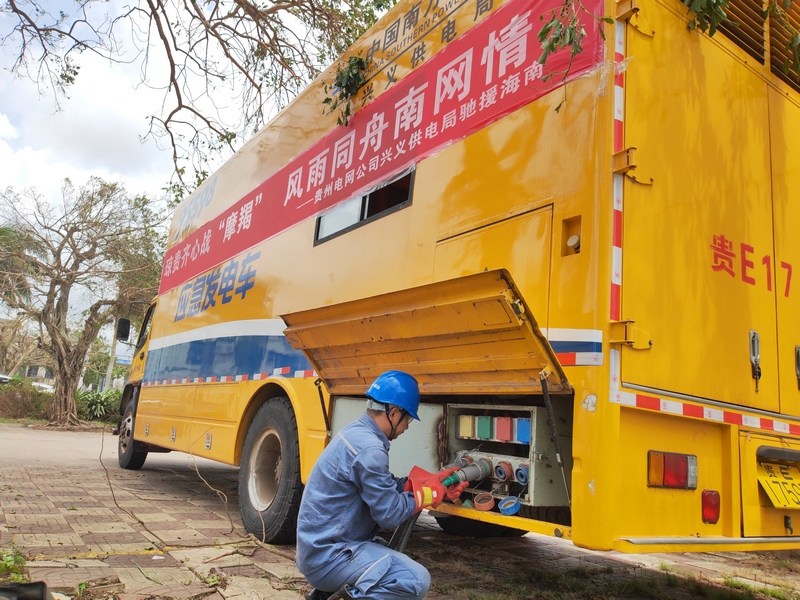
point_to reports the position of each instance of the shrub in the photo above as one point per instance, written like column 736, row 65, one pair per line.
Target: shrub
column 12, row 565
column 97, row 406
column 20, row 400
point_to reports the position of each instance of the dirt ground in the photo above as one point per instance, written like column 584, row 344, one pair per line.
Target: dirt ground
column 172, row 530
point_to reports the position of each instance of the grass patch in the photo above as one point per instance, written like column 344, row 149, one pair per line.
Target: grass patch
column 734, row 583
column 526, row 582
column 480, row 570
column 12, row 565
column 786, row 565
column 773, row 593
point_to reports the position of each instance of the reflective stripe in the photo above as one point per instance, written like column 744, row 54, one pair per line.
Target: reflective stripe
column 374, row 574
column 248, row 327
column 346, row 443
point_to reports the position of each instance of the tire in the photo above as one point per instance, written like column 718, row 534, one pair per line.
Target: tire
column 270, row 488
column 129, row 452
column 460, row 526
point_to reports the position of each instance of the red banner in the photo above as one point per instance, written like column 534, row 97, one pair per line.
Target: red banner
column 483, row 75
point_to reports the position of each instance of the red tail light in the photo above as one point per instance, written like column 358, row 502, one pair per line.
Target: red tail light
column 670, row 470
column 710, row 506
column 676, row 471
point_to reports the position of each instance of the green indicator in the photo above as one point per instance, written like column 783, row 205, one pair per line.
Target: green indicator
column 484, row 428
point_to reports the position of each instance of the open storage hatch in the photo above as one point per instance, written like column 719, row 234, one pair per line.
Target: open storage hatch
column 470, row 335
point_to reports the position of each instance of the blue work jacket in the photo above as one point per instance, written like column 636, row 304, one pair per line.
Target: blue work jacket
column 350, row 495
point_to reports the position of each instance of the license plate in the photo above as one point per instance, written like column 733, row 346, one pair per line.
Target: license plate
column 782, row 484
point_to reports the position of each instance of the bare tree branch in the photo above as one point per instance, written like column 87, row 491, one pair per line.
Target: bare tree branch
column 100, row 243
column 260, row 52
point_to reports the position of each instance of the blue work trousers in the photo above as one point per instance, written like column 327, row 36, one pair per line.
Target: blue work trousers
column 374, row 571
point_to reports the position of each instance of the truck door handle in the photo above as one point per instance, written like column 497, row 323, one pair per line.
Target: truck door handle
column 755, row 355
column 141, row 355
column 797, row 364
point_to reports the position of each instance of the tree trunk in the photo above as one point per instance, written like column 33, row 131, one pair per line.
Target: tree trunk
column 65, row 410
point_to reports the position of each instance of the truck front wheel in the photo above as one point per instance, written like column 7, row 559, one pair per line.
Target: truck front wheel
column 129, row 452
column 270, row 488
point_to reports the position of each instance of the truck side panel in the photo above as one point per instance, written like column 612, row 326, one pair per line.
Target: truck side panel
column 698, row 243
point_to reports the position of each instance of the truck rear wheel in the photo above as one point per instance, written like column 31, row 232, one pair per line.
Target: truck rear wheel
column 129, row 452
column 460, row 526
column 270, row 488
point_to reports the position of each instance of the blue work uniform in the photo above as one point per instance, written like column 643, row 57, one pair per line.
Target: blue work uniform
column 349, row 496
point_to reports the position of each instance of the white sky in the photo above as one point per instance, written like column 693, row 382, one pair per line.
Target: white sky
column 97, row 132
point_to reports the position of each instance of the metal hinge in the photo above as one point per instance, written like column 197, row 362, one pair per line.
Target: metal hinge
column 642, row 25
column 624, row 163
column 623, row 332
column 626, row 9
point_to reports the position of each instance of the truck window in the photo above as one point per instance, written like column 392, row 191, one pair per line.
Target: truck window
column 388, row 197
column 145, row 327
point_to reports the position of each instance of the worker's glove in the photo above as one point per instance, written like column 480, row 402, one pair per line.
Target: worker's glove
column 432, row 493
column 454, row 491
column 426, row 493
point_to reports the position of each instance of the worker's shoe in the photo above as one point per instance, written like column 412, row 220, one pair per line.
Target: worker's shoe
column 316, row 594
column 342, row 594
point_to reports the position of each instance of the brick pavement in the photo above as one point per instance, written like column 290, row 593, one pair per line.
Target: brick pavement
column 162, row 533
column 135, row 529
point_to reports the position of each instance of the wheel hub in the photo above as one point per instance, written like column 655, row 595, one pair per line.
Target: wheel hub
column 125, row 433
column 265, row 469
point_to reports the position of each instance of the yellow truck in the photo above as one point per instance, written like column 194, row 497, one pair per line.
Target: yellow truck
column 631, row 254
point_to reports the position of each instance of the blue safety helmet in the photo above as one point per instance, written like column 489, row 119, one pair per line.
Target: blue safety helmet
column 398, row 389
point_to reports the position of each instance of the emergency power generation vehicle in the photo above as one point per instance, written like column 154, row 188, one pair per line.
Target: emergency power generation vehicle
column 633, row 249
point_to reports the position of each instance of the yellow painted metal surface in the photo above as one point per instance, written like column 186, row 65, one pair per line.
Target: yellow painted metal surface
column 520, row 244
column 468, row 335
column 166, row 414
column 637, row 546
column 785, row 145
column 136, row 371
column 533, row 525
column 698, row 243
column 645, row 507
column 761, row 516
column 714, row 134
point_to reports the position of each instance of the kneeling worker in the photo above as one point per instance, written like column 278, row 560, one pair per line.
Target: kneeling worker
column 351, row 494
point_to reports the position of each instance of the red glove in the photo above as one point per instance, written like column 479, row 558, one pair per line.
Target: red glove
column 454, row 491
column 431, row 493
